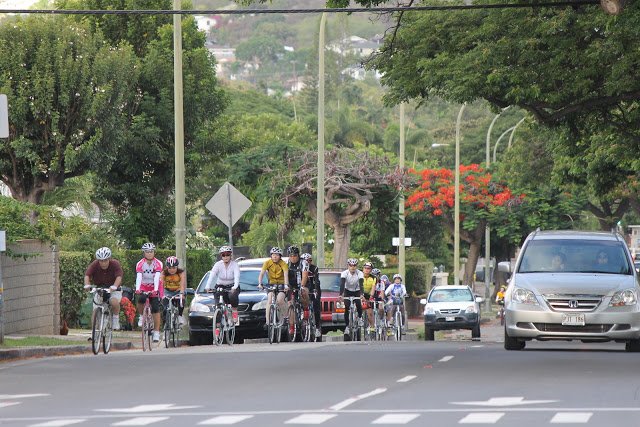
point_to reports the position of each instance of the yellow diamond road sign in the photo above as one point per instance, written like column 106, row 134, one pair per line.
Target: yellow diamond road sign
column 228, row 202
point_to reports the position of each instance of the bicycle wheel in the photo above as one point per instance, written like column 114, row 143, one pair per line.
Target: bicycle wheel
column 96, row 331
column 145, row 330
column 168, row 322
column 353, row 322
column 292, row 329
column 218, row 332
column 108, row 332
column 398, row 325
column 231, row 327
column 501, row 316
column 149, row 328
column 305, row 327
column 364, row 329
column 273, row 324
column 175, row 328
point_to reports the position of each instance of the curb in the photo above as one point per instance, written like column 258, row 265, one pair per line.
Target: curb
column 57, row 350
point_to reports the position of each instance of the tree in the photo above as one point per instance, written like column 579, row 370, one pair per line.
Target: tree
column 68, row 93
column 353, row 180
column 483, row 201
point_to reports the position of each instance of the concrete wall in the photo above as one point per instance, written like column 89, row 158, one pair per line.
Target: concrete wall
column 31, row 290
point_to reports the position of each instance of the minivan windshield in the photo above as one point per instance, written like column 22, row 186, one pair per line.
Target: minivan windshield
column 575, row 256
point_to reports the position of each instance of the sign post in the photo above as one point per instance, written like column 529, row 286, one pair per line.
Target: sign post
column 228, row 204
column 4, row 117
column 3, row 248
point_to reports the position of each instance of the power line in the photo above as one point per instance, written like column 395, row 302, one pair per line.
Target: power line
column 272, row 11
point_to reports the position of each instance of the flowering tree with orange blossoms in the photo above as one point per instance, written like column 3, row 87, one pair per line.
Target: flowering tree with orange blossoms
column 483, row 200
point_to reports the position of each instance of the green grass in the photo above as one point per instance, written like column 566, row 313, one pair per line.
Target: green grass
column 37, row 342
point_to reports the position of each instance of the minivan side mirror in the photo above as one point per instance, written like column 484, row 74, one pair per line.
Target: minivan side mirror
column 505, row 267
column 478, row 298
column 190, row 291
column 423, row 301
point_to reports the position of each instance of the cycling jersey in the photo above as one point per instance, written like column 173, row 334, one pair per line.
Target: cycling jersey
column 103, row 278
column 295, row 272
column 276, row 271
column 229, row 275
column 172, row 282
column 148, row 276
column 369, row 285
column 351, row 281
column 396, row 290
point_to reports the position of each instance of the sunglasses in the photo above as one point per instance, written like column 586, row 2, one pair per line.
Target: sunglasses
column 225, row 254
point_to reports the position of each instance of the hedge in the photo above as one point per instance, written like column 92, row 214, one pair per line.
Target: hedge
column 74, row 264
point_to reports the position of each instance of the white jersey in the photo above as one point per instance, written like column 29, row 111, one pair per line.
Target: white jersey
column 352, row 281
column 225, row 275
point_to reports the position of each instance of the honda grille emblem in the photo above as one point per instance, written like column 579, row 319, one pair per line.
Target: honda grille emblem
column 573, row 303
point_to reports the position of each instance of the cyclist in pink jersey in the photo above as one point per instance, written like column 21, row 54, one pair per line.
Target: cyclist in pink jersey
column 148, row 274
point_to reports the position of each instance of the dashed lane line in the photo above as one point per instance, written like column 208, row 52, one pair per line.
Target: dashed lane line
column 482, row 418
column 310, row 419
column 352, row 400
column 395, row 419
column 225, row 420
column 407, row 378
column 445, row 359
column 140, row 421
column 571, row 417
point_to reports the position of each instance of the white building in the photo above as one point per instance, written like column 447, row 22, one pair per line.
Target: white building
column 634, row 240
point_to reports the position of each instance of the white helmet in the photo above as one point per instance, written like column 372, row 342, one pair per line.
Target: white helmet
column 306, row 256
column 103, row 253
column 148, row 247
column 352, row 261
column 224, row 249
column 276, row 250
column 397, row 276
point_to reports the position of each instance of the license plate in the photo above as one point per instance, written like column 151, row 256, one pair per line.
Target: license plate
column 575, row 319
column 450, row 318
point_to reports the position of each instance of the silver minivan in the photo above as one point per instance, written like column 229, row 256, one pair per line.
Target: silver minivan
column 572, row 285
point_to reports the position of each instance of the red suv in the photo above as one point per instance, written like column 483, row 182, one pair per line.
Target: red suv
column 332, row 309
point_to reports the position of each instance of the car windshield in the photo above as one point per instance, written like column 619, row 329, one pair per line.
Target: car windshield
column 575, row 256
column 450, row 295
column 248, row 281
column 330, row 282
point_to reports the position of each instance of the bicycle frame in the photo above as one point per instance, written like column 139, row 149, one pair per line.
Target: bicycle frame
column 354, row 319
column 275, row 314
column 147, row 322
column 101, row 331
column 224, row 312
column 171, row 325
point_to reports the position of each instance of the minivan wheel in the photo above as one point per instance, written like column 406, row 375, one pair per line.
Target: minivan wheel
column 633, row 346
column 512, row 343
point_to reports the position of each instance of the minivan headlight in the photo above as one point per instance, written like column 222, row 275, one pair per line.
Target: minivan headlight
column 470, row 309
column 429, row 310
column 627, row 297
column 196, row 306
column 524, row 296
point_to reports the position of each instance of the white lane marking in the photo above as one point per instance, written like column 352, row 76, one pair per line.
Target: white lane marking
column 310, row 419
column 5, row 404
column 140, row 421
column 225, row 420
column 407, row 378
column 477, row 346
column 395, row 419
column 351, row 400
column 571, row 417
column 503, row 401
column 482, row 418
column 149, row 408
column 445, row 359
column 22, row 396
column 60, row 423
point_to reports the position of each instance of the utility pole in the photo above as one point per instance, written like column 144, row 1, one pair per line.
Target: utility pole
column 320, row 189
column 401, row 246
column 181, row 243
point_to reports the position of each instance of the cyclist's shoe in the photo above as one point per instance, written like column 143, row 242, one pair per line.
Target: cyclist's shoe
column 347, row 330
column 218, row 332
column 318, row 333
column 181, row 320
column 156, row 336
column 140, row 322
column 115, row 323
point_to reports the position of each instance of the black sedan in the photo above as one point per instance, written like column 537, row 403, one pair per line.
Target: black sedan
column 251, row 310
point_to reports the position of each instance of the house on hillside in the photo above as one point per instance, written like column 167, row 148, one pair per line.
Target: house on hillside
column 225, row 56
column 356, row 46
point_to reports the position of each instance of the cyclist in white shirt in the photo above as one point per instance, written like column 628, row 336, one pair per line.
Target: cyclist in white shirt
column 351, row 281
column 227, row 273
column 396, row 291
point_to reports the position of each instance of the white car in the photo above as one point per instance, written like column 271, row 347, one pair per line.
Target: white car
column 451, row 307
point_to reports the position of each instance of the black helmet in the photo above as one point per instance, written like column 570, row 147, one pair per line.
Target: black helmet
column 293, row 250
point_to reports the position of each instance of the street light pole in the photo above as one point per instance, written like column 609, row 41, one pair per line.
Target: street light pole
column 456, row 219
column 181, row 245
column 401, row 245
column 320, row 189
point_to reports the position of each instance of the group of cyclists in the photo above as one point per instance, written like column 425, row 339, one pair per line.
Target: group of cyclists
column 298, row 276
column 370, row 285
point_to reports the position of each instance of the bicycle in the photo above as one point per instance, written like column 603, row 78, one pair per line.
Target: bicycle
column 295, row 312
column 101, row 330
column 354, row 320
column 276, row 320
column 147, row 322
column 501, row 311
column 227, row 326
column 398, row 325
column 309, row 321
column 171, row 323
column 375, row 331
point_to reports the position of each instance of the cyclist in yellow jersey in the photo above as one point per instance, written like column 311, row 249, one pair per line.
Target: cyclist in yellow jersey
column 278, row 274
column 369, row 287
column 175, row 282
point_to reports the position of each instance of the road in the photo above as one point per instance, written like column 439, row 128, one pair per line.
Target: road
column 447, row 382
